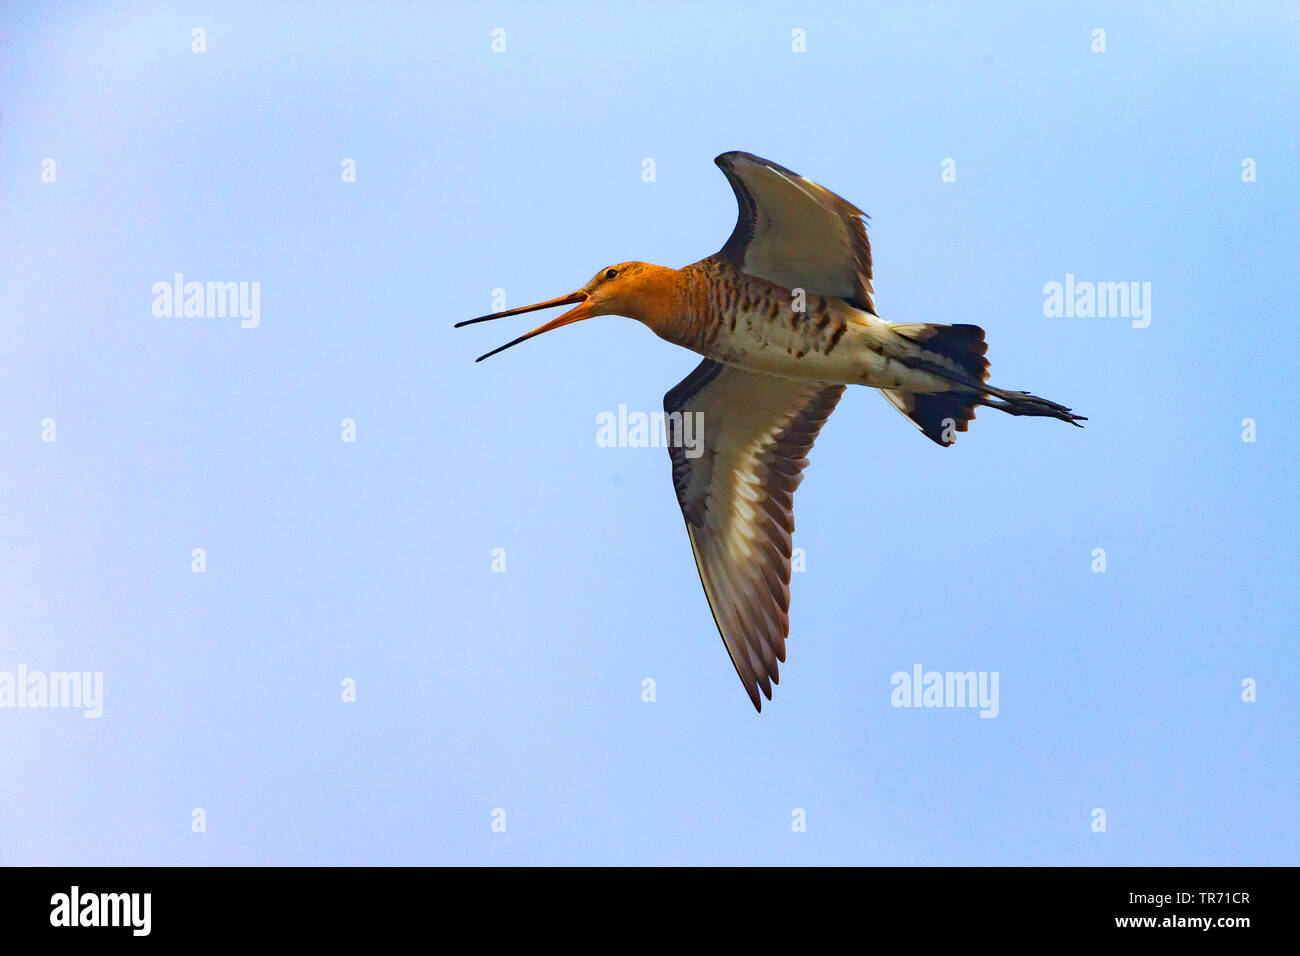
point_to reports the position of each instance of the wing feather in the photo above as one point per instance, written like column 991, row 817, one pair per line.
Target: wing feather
column 796, row 233
column 737, row 499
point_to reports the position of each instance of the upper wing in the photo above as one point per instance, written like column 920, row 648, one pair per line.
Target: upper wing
column 736, row 494
column 795, row 233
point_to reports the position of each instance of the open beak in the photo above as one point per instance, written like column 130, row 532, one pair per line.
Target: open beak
column 568, row 318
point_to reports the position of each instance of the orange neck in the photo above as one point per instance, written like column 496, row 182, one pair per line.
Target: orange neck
column 660, row 300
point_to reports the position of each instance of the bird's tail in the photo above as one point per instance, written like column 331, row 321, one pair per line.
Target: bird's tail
column 956, row 354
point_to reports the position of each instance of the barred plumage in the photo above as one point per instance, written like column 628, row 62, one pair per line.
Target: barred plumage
column 785, row 318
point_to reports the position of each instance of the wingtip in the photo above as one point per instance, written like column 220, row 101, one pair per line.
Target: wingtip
column 755, row 697
column 726, row 161
column 730, row 156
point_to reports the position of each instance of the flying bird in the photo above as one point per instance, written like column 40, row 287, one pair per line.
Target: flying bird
column 784, row 317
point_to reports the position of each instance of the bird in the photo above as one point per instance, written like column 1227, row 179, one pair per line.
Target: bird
column 784, row 317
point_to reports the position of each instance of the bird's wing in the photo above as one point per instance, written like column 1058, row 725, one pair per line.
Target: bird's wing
column 795, row 233
column 737, row 460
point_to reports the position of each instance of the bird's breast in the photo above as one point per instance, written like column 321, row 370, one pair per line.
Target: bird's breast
column 785, row 332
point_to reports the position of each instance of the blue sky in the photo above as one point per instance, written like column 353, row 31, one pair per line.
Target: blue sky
column 521, row 170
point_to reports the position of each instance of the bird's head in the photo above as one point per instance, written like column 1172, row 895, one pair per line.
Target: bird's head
column 637, row 290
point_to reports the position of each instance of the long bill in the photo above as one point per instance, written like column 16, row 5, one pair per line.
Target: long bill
column 573, row 315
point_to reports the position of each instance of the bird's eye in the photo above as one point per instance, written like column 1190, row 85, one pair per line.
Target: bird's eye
column 611, row 273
